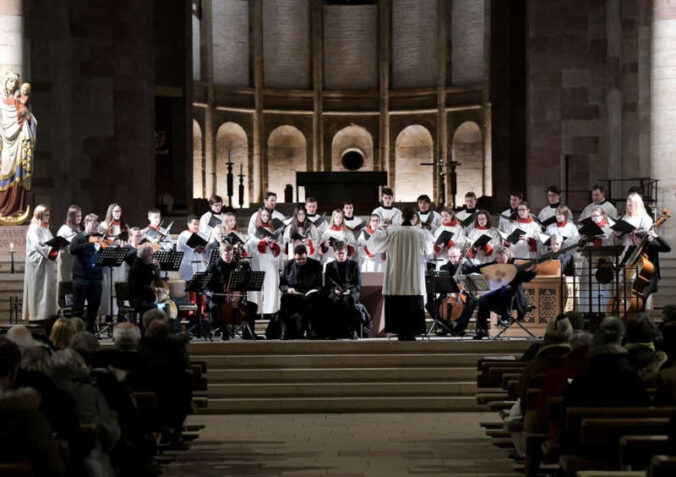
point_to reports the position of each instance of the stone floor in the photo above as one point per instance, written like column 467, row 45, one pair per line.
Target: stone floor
column 350, row 445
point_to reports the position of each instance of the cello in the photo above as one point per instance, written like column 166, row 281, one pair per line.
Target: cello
column 451, row 308
column 638, row 272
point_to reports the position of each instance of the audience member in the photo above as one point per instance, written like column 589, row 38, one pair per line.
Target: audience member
column 163, row 367
column 22, row 337
column 641, row 334
column 70, row 374
column 61, row 334
column 153, row 314
column 609, row 379
column 126, row 336
column 25, row 433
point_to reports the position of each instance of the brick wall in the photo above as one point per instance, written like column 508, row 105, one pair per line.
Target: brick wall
column 467, row 40
column 231, row 42
column 286, row 44
column 415, row 47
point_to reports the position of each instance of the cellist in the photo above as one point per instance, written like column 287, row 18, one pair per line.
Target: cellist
column 456, row 265
column 219, row 282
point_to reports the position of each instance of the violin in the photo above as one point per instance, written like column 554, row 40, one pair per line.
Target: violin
column 104, row 242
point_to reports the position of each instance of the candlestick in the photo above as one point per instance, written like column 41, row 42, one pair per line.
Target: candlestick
column 11, row 265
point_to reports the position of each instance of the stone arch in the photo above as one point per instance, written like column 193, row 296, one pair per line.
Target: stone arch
column 467, row 149
column 287, row 151
column 231, row 138
column 413, row 145
column 352, row 138
column 197, row 161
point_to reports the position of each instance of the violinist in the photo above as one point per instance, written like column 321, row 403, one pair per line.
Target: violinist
column 143, row 280
column 456, row 265
column 220, row 277
column 87, row 275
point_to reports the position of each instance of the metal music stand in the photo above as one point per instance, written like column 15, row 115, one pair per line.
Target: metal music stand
column 213, row 258
column 111, row 257
column 198, row 283
column 439, row 282
column 169, row 261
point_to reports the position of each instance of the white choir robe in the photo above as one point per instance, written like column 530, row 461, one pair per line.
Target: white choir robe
column 312, row 245
column 644, row 222
column 39, row 282
column 120, row 274
column 265, row 258
column 523, row 249
column 369, row 262
column 251, row 229
column 484, row 255
column 549, row 211
column 431, row 220
column 321, row 228
column 391, row 214
column 205, row 229
column 341, row 233
column 567, row 230
column 459, row 238
column 606, row 205
column 505, row 225
column 64, row 263
column 463, row 214
column 407, row 249
column 601, row 293
column 192, row 262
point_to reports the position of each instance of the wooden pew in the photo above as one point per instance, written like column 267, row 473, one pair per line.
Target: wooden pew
column 662, row 466
column 16, row 469
column 636, row 451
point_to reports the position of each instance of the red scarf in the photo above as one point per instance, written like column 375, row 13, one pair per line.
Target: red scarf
column 603, row 223
column 479, row 227
column 452, row 223
column 337, row 228
column 116, row 222
column 525, row 221
column 369, row 231
column 562, row 224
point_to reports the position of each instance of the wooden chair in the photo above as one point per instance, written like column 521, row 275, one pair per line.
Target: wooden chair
column 65, row 289
column 123, row 300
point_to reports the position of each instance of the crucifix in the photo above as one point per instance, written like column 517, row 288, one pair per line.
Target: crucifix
column 453, row 176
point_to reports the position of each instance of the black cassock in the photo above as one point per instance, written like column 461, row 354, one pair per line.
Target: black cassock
column 297, row 309
column 343, row 318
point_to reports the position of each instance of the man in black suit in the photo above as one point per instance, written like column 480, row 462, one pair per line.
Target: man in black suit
column 300, row 284
column 143, row 280
column 343, row 281
column 87, row 275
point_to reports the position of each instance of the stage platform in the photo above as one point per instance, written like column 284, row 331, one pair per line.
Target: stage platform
column 369, row 375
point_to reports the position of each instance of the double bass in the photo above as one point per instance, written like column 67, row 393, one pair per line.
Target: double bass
column 451, row 308
column 638, row 272
column 232, row 310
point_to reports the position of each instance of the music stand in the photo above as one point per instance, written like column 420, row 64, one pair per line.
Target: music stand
column 439, row 282
column 213, row 258
column 198, row 283
column 169, row 261
column 111, row 257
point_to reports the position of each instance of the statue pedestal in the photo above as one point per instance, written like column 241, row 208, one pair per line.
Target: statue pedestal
column 13, row 234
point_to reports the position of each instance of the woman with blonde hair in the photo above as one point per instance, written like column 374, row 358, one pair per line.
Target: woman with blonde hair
column 39, row 284
column 337, row 231
column 62, row 332
column 637, row 216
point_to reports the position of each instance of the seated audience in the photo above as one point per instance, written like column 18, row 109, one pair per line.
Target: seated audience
column 640, row 346
column 163, row 367
column 61, row 334
column 25, row 433
column 70, row 374
column 609, row 379
column 126, row 336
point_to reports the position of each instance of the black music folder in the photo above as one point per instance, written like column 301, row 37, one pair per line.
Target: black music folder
column 214, row 221
column 515, row 235
column 195, row 241
column 444, row 238
column 623, row 227
column 58, row 242
column 482, row 241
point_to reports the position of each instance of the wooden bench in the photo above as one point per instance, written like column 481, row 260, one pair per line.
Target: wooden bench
column 636, row 451
column 16, row 469
column 662, row 466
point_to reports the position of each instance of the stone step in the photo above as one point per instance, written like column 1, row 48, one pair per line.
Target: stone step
column 338, row 389
column 341, row 404
column 6, row 267
column 341, row 360
column 318, row 375
column 379, row 346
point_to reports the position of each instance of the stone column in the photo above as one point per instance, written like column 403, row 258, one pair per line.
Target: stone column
column 317, row 32
column 11, row 37
column 384, row 21
column 487, row 183
column 663, row 107
column 209, row 157
column 441, row 153
column 256, row 15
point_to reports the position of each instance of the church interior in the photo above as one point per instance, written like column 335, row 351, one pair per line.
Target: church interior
column 423, row 237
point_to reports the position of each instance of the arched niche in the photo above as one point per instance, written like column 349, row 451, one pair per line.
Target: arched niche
column 197, row 161
column 467, row 149
column 348, row 143
column 413, row 145
column 231, row 141
column 287, row 151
